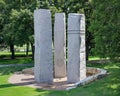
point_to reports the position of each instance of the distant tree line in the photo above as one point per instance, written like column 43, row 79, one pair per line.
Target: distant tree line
column 102, row 23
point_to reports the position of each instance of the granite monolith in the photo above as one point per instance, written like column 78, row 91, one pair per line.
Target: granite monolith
column 82, row 48
column 75, row 65
column 43, row 68
column 60, row 45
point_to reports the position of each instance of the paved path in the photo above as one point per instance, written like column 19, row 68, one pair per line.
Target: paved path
column 12, row 65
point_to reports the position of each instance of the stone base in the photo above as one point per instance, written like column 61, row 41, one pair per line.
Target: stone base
column 58, row 83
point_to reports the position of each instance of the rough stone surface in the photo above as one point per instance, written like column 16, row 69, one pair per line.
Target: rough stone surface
column 60, row 45
column 73, row 67
column 43, row 46
column 76, row 68
column 82, row 48
column 28, row 71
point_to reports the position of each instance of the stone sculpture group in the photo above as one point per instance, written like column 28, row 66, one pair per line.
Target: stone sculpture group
column 75, row 69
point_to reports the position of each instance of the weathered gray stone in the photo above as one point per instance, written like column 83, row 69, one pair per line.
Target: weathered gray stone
column 76, row 68
column 60, row 45
column 29, row 71
column 82, row 48
column 73, row 67
column 43, row 46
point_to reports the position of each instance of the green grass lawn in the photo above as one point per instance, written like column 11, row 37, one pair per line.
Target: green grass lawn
column 7, row 55
column 20, row 58
column 107, row 86
column 16, row 53
column 94, row 58
column 23, row 60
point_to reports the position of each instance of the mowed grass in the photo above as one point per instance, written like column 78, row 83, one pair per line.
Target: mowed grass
column 22, row 60
column 107, row 86
column 16, row 53
column 94, row 58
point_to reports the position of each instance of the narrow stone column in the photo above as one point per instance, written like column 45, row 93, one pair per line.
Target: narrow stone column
column 60, row 45
column 43, row 46
column 74, row 46
column 82, row 48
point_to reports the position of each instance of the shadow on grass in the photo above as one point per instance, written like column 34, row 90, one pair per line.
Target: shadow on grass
column 52, row 92
column 7, row 85
column 107, row 86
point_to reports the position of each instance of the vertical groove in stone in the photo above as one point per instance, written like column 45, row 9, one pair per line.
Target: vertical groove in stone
column 43, row 46
column 60, row 45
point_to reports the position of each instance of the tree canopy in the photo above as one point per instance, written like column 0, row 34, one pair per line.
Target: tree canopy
column 105, row 27
column 102, row 22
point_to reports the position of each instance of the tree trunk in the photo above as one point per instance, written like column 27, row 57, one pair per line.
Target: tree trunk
column 12, row 51
column 27, row 49
column 32, row 47
column 87, row 52
column 89, row 44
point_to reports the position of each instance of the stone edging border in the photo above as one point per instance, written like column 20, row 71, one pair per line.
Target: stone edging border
column 90, row 78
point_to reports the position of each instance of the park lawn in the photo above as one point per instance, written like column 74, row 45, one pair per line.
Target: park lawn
column 107, row 86
column 94, row 58
column 22, row 60
column 26, row 60
column 16, row 53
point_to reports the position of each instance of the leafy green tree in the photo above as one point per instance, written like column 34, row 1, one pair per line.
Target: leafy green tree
column 76, row 6
column 18, row 18
column 88, row 10
column 105, row 26
column 18, row 22
column 20, row 28
column 2, row 6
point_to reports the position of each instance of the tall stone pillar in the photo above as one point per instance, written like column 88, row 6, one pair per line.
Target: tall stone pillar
column 60, row 45
column 43, row 46
column 82, row 48
column 74, row 48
